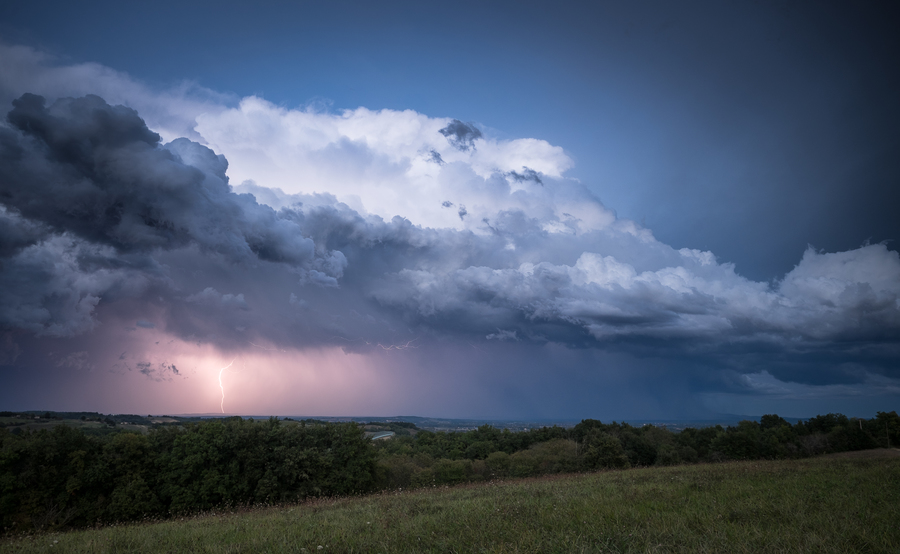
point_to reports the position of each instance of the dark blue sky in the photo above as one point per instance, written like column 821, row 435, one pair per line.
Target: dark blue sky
column 750, row 130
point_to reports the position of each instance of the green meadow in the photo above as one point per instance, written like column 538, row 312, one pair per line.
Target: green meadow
column 840, row 503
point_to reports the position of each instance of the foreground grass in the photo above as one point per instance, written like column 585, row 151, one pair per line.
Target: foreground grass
column 816, row 505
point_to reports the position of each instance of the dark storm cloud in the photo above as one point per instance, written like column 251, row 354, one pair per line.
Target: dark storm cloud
column 641, row 296
column 527, row 174
column 16, row 233
column 461, row 135
column 89, row 195
column 46, row 289
column 156, row 371
column 109, row 225
column 699, row 310
column 96, row 171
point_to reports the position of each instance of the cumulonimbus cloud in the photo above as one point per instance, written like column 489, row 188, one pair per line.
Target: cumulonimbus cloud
column 93, row 176
column 310, row 228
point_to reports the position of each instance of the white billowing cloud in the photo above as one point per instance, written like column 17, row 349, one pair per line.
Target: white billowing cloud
column 827, row 297
column 839, row 278
column 855, row 292
column 383, row 162
column 605, row 271
column 390, row 163
column 170, row 112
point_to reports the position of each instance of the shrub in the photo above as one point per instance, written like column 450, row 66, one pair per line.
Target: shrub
column 603, row 450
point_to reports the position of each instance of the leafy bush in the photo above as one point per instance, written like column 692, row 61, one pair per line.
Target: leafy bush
column 603, row 450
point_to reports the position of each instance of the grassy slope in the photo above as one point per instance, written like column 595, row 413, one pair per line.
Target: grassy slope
column 816, row 505
column 36, row 425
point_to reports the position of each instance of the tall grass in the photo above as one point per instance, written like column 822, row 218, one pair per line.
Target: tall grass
column 813, row 505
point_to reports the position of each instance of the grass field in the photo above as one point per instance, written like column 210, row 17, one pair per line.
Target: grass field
column 87, row 426
column 849, row 504
column 37, row 424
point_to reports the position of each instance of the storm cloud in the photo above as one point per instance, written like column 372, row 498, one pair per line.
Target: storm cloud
column 95, row 171
column 90, row 198
column 461, row 135
column 104, row 220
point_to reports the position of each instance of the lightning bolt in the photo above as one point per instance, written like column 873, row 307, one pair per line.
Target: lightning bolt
column 402, row 346
column 267, row 349
column 222, row 404
column 399, row 346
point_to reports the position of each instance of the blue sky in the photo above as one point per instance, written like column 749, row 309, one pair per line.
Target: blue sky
column 751, row 131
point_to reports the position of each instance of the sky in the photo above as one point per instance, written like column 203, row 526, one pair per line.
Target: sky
column 644, row 210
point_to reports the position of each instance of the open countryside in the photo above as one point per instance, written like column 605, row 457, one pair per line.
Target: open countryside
column 828, row 484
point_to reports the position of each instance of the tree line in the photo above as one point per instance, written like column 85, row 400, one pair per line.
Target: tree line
column 62, row 477
column 437, row 458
